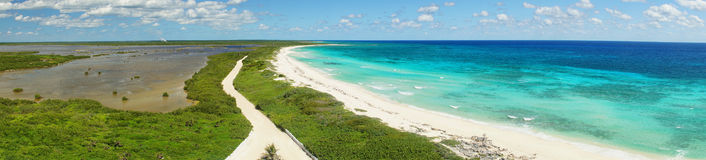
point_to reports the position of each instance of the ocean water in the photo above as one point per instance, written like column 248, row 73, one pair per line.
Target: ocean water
column 645, row 96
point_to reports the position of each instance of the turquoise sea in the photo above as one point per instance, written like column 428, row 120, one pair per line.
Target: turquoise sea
column 645, row 96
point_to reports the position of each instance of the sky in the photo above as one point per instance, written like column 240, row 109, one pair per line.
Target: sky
column 127, row 20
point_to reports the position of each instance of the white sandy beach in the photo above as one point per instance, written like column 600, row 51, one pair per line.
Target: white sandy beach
column 263, row 131
column 434, row 124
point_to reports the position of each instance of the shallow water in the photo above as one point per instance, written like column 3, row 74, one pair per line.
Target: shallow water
column 160, row 69
column 645, row 96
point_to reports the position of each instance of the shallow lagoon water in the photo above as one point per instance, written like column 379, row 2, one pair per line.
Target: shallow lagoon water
column 160, row 69
column 643, row 96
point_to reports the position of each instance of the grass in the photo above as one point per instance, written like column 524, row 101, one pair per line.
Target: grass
column 19, row 53
column 321, row 123
column 26, row 59
column 450, row 142
column 85, row 129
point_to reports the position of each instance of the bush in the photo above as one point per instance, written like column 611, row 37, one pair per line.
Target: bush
column 37, row 97
column 165, row 94
column 22, row 60
column 17, row 90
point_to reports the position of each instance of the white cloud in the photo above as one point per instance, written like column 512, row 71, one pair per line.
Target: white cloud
column 236, row 1
column 499, row 18
column 453, row 28
column 574, row 12
column 693, row 4
column 425, row 18
column 155, row 24
column 481, row 14
column 596, row 21
column 449, row 4
column 216, row 14
column 634, row 0
column 5, row 15
column 396, row 23
column 584, row 4
column 548, row 22
column 555, row 12
column 5, row 5
column 616, row 13
column 528, row 5
column 503, row 17
column 182, row 28
column 428, row 9
column 690, row 21
column 346, row 23
column 663, row 13
column 123, row 25
column 669, row 13
column 295, row 29
column 62, row 20
column 355, row 16
column 263, row 27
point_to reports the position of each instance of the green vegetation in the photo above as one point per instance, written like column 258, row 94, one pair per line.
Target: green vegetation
column 136, row 77
column 78, row 128
column 26, row 59
column 125, row 98
column 211, row 129
column 165, row 94
column 270, row 153
column 131, row 43
column 450, row 142
column 360, row 110
column 19, row 53
column 17, row 90
column 322, row 124
column 115, row 92
column 125, row 52
column 37, row 97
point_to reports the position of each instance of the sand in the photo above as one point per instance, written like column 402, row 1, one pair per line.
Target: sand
column 435, row 124
column 263, row 132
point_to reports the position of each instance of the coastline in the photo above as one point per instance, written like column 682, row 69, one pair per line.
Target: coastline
column 429, row 123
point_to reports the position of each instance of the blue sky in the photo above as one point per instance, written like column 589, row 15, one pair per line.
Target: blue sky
column 119, row 20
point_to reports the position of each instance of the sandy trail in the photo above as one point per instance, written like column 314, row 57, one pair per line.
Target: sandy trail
column 263, row 132
column 436, row 124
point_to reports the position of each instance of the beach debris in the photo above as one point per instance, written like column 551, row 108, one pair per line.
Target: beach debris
column 527, row 118
column 454, row 107
column 511, row 116
column 481, row 147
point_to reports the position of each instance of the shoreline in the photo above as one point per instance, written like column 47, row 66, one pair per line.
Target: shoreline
column 517, row 141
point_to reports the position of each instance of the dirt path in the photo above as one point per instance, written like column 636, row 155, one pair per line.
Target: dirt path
column 263, row 132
